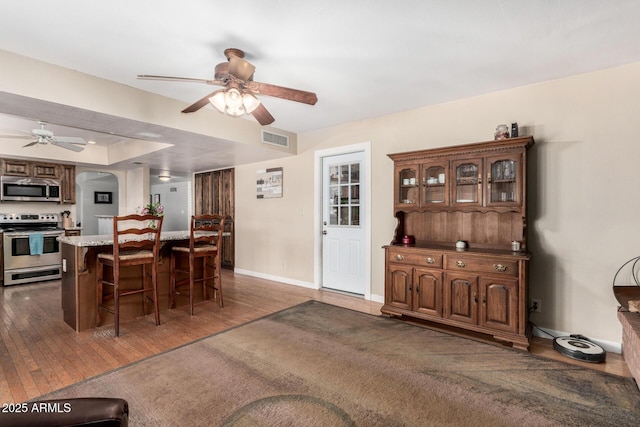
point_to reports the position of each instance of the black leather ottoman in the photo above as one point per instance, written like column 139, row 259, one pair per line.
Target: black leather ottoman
column 94, row 411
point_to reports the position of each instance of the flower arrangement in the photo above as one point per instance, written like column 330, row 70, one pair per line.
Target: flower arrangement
column 153, row 209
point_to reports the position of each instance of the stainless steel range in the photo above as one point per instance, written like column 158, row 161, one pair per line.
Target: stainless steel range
column 30, row 247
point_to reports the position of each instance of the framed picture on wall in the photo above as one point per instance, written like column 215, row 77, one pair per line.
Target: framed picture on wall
column 103, row 197
column 156, row 199
column 269, row 183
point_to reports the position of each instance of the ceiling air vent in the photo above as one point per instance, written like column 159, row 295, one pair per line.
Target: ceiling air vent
column 275, row 139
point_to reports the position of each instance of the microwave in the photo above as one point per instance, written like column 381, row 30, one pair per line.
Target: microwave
column 22, row 189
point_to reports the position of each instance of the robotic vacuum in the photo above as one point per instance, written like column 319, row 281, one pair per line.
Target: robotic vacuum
column 579, row 348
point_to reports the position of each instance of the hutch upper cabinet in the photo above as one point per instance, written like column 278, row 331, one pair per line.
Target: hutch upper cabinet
column 475, row 193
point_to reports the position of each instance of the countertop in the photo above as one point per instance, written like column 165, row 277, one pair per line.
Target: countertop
column 107, row 239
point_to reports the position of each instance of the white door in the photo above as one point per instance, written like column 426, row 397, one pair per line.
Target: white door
column 343, row 230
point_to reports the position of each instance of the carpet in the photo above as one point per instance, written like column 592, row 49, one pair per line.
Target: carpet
column 320, row 365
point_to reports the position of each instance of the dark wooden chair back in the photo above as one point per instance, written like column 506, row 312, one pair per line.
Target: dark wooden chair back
column 136, row 232
column 206, row 230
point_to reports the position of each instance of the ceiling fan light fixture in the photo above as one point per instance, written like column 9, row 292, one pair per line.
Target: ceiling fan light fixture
column 250, row 102
column 233, row 101
column 217, row 100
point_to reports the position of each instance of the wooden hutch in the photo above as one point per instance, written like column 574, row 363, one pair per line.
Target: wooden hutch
column 475, row 193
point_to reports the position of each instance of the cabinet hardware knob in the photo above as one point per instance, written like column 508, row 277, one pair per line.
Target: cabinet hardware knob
column 475, row 298
column 484, row 301
column 461, row 264
column 500, row 267
column 429, row 260
column 399, row 257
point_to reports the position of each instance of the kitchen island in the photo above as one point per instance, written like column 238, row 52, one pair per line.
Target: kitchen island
column 79, row 260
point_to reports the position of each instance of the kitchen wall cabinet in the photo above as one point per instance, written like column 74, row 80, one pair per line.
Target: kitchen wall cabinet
column 214, row 193
column 14, row 167
column 475, row 193
column 46, row 170
column 68, row 184
column 65, row 173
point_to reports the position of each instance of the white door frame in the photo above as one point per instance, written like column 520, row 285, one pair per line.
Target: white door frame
column 317, row 211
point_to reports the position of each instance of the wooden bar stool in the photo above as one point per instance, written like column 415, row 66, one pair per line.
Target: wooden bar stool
column 136, row 241
column 205, row 242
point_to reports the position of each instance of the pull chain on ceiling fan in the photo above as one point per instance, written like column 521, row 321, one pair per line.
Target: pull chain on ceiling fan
column 44, row 136
column 239, row 94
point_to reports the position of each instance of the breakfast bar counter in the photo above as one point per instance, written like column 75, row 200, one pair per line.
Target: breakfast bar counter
column 79, row 260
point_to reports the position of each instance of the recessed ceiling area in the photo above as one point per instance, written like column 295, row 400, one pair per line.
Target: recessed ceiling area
column 131, row 143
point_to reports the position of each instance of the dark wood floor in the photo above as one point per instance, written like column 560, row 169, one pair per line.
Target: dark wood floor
column 39, row 353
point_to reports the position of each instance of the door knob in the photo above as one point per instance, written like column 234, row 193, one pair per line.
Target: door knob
column 324, row 231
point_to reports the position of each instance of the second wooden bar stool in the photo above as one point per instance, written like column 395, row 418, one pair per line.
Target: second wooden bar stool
column 136, row 241
column 205, row 242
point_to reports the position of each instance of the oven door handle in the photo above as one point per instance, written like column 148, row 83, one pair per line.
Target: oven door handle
column 26, row 236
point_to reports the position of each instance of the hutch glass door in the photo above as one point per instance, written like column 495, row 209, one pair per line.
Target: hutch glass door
column 502, row 181
column 407, row 186
column 468, row 181
column 434, row 184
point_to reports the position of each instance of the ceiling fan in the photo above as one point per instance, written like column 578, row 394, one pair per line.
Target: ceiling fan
column 238, row 96
column 44, row 136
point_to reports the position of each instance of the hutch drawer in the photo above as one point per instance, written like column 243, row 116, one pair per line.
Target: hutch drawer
column 422, row 259
column 464, row 263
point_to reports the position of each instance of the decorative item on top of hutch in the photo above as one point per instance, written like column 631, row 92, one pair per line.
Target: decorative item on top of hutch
column 474, row 194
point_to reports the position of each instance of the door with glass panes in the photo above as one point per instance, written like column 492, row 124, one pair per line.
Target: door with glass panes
column 343, row 240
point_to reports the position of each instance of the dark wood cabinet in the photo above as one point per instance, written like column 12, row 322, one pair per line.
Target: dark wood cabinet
column 46, row 170
column 474, row 193
column 68, row 184
column 15, row 167
column 214, row 193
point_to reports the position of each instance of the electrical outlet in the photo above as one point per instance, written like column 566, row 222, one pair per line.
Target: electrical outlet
column 536, row 305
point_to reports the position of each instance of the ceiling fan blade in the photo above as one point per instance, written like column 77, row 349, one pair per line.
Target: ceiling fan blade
column 283, row 92
column 180, row 79
column 32, row 143
column 198, row 104
column 240, row 69
column 262, row 115
column 70, row 139
column 67, row 145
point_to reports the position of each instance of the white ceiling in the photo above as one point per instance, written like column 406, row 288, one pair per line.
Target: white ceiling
column 363, row 58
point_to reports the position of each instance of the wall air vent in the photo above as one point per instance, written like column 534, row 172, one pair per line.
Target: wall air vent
column 275, row 139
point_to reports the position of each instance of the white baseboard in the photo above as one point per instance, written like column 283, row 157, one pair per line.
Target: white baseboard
column 301, row 283
column 377, row 298
column 610, row 346
column 280, row 279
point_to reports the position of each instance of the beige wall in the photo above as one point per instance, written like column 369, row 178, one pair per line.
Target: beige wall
column 583, row 190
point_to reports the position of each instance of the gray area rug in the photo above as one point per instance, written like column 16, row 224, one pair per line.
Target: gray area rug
column 320, row 365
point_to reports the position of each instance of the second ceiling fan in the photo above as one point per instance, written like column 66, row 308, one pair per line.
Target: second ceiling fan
column 239, row 94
